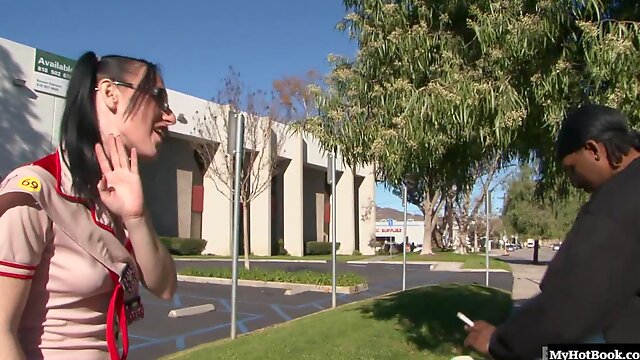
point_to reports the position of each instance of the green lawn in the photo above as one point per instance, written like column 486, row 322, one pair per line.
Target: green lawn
column 417, row 324
column 340, row 258
column 470, row 261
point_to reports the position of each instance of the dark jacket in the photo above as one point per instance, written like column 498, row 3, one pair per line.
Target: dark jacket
column 593, row 283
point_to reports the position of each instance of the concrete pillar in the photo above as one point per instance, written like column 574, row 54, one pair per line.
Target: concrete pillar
column 345, row 225
column 367, row 221
column 293, row 195
column 260, row 206
column 217, row 209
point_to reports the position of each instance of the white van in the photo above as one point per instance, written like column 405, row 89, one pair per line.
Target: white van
column 531, row 243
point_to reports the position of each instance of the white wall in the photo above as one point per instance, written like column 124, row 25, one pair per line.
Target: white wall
column 415, row 231
column 28, row 118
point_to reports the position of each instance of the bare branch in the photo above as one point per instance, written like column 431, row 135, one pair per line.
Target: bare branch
column 263, row 139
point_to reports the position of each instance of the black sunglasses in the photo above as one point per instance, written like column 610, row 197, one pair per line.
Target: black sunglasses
column 159, row 95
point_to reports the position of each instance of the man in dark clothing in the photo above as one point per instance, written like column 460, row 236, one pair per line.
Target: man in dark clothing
column 592, row 286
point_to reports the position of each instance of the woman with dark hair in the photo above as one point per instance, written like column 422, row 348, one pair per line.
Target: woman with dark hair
column 591, row 290
column 76, row 239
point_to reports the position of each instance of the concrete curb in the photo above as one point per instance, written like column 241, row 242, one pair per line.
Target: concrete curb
column 192, row 310
column 364, row 262
column 256, row 260
column 277, row 285
column 479, row 270
column 433, row 266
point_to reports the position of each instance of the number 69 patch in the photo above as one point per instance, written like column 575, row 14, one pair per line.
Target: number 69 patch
column 30, row 184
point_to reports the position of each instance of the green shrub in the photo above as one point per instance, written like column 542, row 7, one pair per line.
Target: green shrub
column 281, row 249
column 183, row 246
column 296, row 277
column 320, row 248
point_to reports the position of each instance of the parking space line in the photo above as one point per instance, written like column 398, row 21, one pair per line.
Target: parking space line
column 280, row 312
column 176, row 300
column 180, row 343
column 225, row 304
column 192, row 333
column 381, row 288
column 142, row 337
column 242, row 327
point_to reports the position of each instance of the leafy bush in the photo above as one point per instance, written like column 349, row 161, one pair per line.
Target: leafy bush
column 281, row 249
column 296, row 277
column 320, row 248
column 183, row 246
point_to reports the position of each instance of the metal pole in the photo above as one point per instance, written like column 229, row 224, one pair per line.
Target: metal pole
column 486, row 241
column 239, row 155
column 404, row 238
column 333, row 229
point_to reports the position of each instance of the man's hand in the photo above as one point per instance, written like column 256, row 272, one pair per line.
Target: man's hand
column 479, row 336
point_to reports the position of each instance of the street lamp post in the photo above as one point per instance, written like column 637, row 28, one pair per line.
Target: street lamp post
column 239, row 155
column 333, row 227
column 404, row 238
column 486, row 240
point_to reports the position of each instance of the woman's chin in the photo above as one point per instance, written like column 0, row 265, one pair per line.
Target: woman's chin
column 149, row 153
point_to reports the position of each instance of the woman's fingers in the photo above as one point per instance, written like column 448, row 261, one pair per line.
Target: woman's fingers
column 118, row 157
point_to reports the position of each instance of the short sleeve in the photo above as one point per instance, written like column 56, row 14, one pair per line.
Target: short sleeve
column 23, row 234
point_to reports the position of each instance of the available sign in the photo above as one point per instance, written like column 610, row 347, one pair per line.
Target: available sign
column 52, row 73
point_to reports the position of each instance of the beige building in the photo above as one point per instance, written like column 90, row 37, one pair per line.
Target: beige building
column 185, row 196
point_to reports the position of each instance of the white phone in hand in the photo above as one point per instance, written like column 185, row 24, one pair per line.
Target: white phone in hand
column 465, row 319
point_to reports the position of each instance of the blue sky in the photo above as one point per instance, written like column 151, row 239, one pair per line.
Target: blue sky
column 195, row 42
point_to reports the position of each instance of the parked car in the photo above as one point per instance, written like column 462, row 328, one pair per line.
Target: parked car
column 556, row 246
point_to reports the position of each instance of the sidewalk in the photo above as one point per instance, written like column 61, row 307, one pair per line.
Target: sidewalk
column 526, row 280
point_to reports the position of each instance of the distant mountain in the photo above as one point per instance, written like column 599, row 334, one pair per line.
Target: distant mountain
column 389, row 213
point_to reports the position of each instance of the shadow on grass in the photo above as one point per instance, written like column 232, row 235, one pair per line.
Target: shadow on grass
column 427, row 315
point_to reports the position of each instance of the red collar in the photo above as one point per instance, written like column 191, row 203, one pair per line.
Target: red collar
column 52, row 163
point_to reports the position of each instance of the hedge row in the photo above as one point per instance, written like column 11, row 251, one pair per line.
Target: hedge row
column 183, row 246
column 296, row 277
column 320, row 248
column 186, row 246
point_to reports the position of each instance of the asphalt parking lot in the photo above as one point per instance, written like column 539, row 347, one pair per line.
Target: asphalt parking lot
column 158, row 335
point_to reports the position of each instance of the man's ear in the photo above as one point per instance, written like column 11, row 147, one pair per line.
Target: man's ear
column 108, row 93
column 595, row 150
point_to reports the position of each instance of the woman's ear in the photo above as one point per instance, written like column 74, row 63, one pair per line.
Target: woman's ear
column 109, row 94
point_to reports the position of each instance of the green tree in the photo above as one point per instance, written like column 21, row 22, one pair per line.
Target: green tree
column 440, row 86
column 539, row 218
